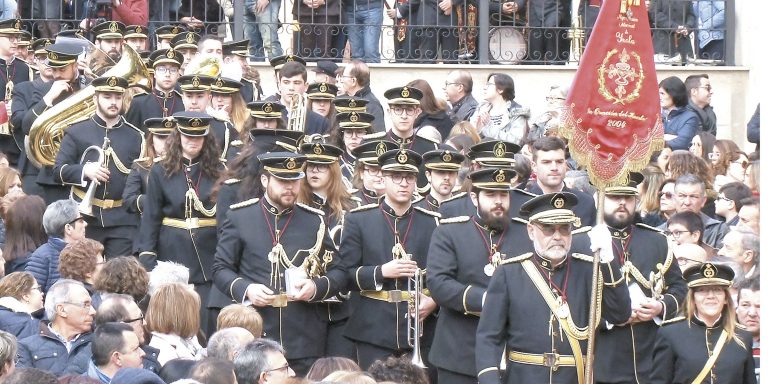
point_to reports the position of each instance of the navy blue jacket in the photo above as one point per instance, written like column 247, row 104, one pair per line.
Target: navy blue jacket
column 19, row 324
column 684, row 123
column 43, row 264
column 45, row 351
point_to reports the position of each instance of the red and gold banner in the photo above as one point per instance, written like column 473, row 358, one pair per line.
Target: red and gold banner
column 612, row 116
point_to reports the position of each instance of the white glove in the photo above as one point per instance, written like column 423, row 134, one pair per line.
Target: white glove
column 600, row 239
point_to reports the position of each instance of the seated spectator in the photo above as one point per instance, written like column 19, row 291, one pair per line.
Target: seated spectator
column 753, row 128
column 548, row 122
column 680, row 122
column 347, row 377
column 123, row 275
column 722, row 152
column 7, row 355
column 63, row 224
column 121, row 308
column 136, row 376
column 243, row 316
column 82, row 260
column 742, row 246
column 262, row 361
column 226, row 343
column 689, row 255
column 749, row 214
column 324, row 366
column 736, row 170
column 23, row 232
column 173, row 318
column 399, row 370
column 20, row 298
column 702, row 145
column 214, row 371
column 67, row 338
column 653, row 179
column 748, row 315
column 684, row 162
column 687, row 228
column 114, row 346
column 667, row 205
column 167, row 272
column 430, row 133
column 177, row 369
column 661, row 158
column 728, row 201
column 690, row 196
column 23, row 375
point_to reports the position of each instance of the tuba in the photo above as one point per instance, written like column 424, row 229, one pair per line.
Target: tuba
column 297, row 113
column 45, row 135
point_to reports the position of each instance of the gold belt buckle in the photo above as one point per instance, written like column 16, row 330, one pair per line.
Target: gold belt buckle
column 107, row 204
column 280, row 301
column 193, row 222
column 552, row 360
column 395, row 296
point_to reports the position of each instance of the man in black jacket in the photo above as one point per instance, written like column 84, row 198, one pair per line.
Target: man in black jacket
column 699, row 97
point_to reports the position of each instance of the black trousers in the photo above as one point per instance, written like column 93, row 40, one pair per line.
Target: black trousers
column 336, row 344
column 117, row 240
column 301, row 366
column 450, row 377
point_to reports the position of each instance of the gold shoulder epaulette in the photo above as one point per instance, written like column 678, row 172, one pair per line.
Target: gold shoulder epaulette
column 133, row 126
column 428, row 212
column 674, row 320
column 374, row 135
column 141, row 160
column 364, row 207
column 310, row 209
column 236, row 143
column 158, row 159
column 583, row 229
column 520, row 220
column 523, row 191
column 517, row 259
column 231, row 181
column 456, row 196
column 739, row 326
column 417, row 199
column 646, row 226
column 244, row 203
column 581, row 256
column 457, row 219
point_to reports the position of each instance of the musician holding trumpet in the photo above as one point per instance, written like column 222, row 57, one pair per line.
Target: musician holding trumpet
column 94, row 159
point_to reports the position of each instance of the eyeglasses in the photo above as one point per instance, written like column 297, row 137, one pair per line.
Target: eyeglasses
column 667, row 195
column 372, row 171
column 285, row 367
column 707, row 87
column 713, row 156
column 163, row 70
column 72, row 223
column 84, row 304
column 410, row 111
column 36, row 288
column 447, row 83
column 11, row 37
column 723, row 198
column 490, row 84
column 320, row 168
column 354, row 132
column 675, row 234
column 683, row 261
column 552, row 98
column 744, row 163
column 140, row 318
column 398, row 178
column 550, row 229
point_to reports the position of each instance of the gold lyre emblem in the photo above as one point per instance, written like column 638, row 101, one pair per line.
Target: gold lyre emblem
column 17, row 25
column 289, row 58
column 168, row 123
column 381, row 148
column 113, row 27
column 53, row 56
column 219, row 83
column 195, row 81
column 112, row 81
column 190, row 38
column 195, row 122
column 405, row 92
column 171, row 54
column 402, row 157
column 352, row 103
column 500, row 149
column 447, row 157
column 175, row 30
column 500, row 176
column 323, row 87
column 268, row 108
column 290, row 164
column 353, row 117
column 558, row 202
column 709, row 271
column 317, row 149
column 138, row 29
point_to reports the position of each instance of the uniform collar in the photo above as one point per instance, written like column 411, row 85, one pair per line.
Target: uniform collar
column 399, row 140
column 367, row 192
column 188, row 162
column 162, row 94
column 391, row 212
column 273, row 209
column 481, row 223
column 432, row 201
column 695, row 319
column 101, row 123
column 621, row 234
column 318, row 201
column 546, row 264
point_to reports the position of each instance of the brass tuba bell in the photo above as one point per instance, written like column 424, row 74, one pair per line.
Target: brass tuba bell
column 45, row 135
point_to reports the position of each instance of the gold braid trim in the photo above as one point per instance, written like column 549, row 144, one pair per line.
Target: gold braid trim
column 110, row 153
column 312, row 263
column 192, row 200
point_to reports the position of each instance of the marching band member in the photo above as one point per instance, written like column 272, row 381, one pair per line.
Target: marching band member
column 158, row 130
column 347, row 133
column 164, row 100
column 367, row 179
column 442, row 169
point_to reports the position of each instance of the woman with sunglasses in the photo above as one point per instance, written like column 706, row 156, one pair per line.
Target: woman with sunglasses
column 735, row 172
column 705, row 345
column 179, row 221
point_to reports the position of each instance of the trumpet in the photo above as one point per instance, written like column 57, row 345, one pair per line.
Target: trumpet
column 414, row 325
column 297, row 113
column 86, row 205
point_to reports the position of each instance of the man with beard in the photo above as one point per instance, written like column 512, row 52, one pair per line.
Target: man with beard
column 277, row 255
column 536, row 308
column 624, row 351
column 383, row 245
column 109, row 38
column 13, row 71
column 442, row 170
column 164, row 100
column 62, row 59
column 464, row 253
column 122, row 143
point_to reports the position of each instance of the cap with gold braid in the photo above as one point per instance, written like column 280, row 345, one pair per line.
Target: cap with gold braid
column 38, row 46
column 350, row 104
column 225, row 86
column 443, row 160
column 136, row 32
column 166, row 56
column 272, row 140
column 169, row 31
column 75, row 33
column 322, row 91
column 494, row 153
column 493, row 179
column 368, row 151
column 630, row 189
column 404, row 96
column 193, row 124
column 109, row 30
column 266, row 110
column 321, row 153
column 238, row 48
column 551, row 208
column 109, row 84
column 708, row 274
column 277, row 62
column 354, row 120
column 284, row 165
column 400, row 160
column 62, row 54
column 195, row 83
column 160, row 126
column 11, row 26
column 25, row 39
column 185, row 40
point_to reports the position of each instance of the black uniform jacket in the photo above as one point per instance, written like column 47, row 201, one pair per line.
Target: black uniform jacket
column 625, row 352
column 126, row 144
column 415, row 143
column 155, row 104
column 366, row 244
column 25, row 95
column 18, row 72
column 136, row 187
column 585, row 209
column 683, row 347
column 460, row 204
column 246, row 240
column 457, row 279
column 516, row 316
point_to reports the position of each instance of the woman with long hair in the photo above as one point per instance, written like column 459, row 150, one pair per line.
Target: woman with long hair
column 10, row 184
column 702, row 145
column 738, row 162
column 320, row 99
column 722, row 155
column 178, row 223
column 680, row 122
column 499, row 116
column 347, row 133
column 24, row 232
column 705, row 344
column 158, row 130
column 21, row 304
column 434, row 112
column 227, row 103
column 653, row 178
